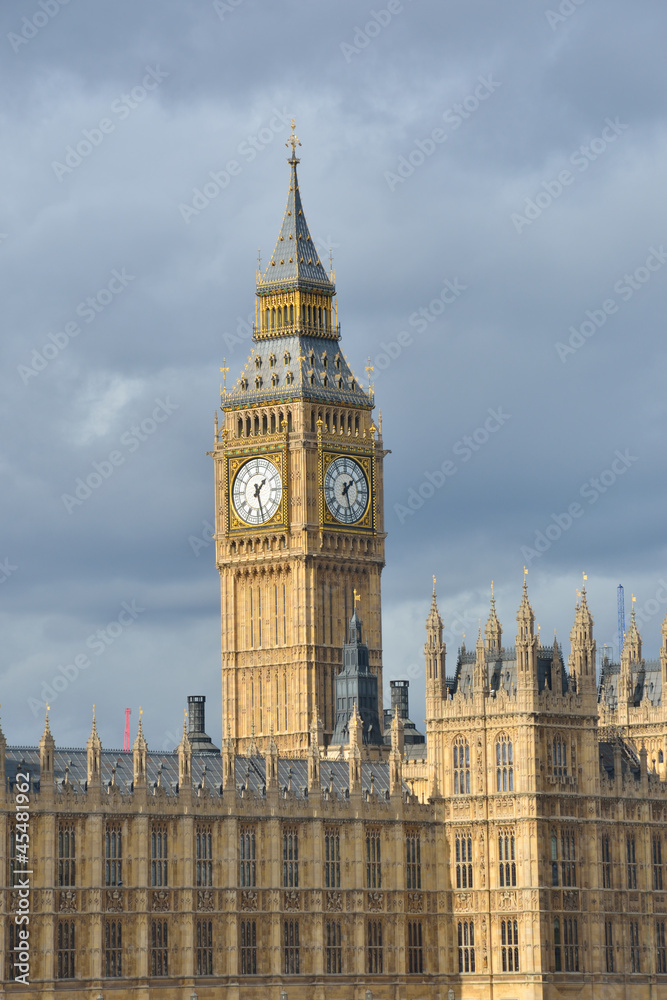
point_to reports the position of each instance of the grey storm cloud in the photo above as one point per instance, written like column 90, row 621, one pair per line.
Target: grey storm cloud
column 490, row 181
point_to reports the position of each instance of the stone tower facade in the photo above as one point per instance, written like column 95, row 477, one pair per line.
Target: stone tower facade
column 299, row 522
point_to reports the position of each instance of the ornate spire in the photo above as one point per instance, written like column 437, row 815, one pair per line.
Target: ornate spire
column 94, row 755
column 184, row 756
column 140, row 756
column 434, row 619
column 94, row 739
column 47, row 751
column 632, row 644
column 140, row 740
column 525, row 614
column 295, row 261
column 493, row 631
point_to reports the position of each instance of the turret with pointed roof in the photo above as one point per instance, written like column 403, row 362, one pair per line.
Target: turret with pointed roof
column 296, row 334
column 357, row 690
column 94, row 755
column 582, row 647
column 435, row 653
column 526, row 644
column 140, row 757
column 493, row 632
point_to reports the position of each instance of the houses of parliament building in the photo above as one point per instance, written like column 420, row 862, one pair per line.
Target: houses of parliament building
column 318, row 854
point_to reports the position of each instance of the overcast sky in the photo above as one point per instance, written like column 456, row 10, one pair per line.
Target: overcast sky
column 500, row 167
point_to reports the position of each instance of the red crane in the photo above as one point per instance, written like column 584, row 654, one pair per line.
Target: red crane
column 126, row 741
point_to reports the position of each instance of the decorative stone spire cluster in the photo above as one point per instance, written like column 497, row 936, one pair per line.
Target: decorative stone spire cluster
column 493, row 632
column 94, row 756
column 526, row 643
column 435, row 652
column 140, row 757
column 582, row 652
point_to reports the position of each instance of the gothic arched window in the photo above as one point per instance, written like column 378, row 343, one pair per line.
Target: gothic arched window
column 461, row 766
column 559, row 756
column 504, row 764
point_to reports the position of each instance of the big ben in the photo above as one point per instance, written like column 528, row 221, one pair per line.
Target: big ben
column 299, row 505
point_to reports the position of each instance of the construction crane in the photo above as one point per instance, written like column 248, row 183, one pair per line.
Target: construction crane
column 621, row 619
column 126, row 741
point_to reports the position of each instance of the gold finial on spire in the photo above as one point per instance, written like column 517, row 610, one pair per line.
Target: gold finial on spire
column 224, row 371
column 434, row 581
column 357, row 597
column 293, row 140
column 369, row 368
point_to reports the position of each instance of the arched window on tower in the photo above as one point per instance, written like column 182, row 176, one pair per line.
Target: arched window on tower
column 273, row 318
column 461, row 760
column 504, row 764
column 559, row 756
column 268, row 318
column 291, row 315
column 239, row 427
column 280, row 316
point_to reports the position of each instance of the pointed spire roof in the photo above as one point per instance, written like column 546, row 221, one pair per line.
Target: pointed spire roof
column 480, row 641
column 47, row 735
column 295, row 260
column 583, row 615
column 434, row 617
column 94, row 739
column 185, row 745
column 140, row 740
column 525, row 610
column 493, row 629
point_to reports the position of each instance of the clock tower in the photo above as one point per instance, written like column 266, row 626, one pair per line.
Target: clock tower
column 299, row 506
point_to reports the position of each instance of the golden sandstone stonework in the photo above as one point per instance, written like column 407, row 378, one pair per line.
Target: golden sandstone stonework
column 519, row 854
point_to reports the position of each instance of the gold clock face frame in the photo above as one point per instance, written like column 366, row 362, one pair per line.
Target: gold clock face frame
column 256, row 491
column 337, row 469
column 346, row 490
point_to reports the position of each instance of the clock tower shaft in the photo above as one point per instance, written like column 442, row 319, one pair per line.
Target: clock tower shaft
column 289, row 567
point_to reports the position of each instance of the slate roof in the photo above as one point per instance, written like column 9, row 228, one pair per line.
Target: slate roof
column 279, row 359
column 647, row 677
column 501, row 670
column 250, row 771
column 295, row 261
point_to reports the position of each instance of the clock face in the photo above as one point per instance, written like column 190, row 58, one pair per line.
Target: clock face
column 257, row 491
column 346, row 490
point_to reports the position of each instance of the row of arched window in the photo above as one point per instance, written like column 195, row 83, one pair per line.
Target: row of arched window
column 504, row 765
column 278, row 317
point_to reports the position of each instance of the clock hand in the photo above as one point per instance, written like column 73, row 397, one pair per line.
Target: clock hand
column 258, row 497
